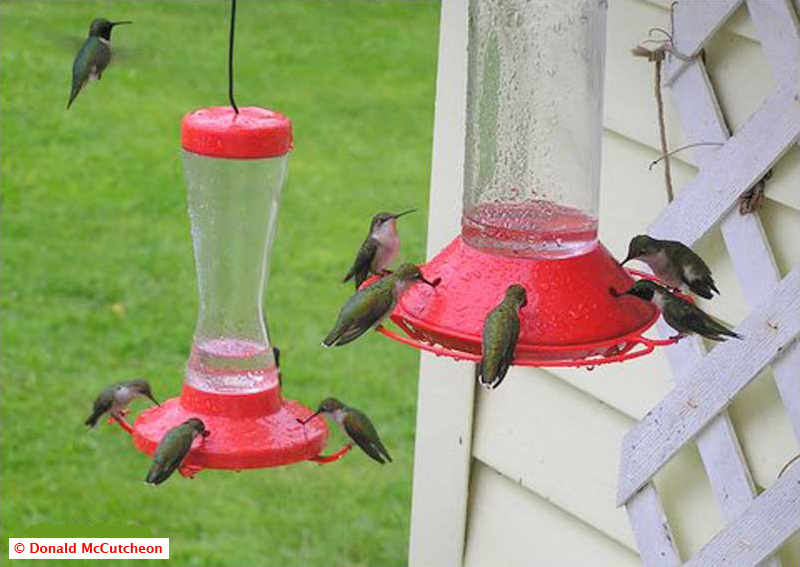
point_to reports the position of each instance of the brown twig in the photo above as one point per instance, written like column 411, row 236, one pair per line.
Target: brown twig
column 657, row 56
column 786, row 466
column 662, row 132
column 686, row 147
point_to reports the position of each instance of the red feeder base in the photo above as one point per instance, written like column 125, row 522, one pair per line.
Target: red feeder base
column 572, row 317
column 246, row 431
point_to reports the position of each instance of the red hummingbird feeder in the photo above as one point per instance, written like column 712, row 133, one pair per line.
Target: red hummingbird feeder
column 235, row 162
column 531, row 192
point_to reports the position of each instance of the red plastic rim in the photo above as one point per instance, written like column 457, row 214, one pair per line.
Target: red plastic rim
column 253, row 133
column 572, row 318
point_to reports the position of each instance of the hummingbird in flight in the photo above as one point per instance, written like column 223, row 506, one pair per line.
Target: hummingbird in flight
column 93, row 57
column 674, row 263
column 173, row 448
column 368, row 307
column 355, row 425
column 683, row 316
column 114, row 399
column 379, row 249
column 500, row 334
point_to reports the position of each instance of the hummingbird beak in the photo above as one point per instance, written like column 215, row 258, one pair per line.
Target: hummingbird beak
column 409, row 211
column 627, row 259
column 309, row 418
column 121, row 22
column 434, row 283
column 155, row 401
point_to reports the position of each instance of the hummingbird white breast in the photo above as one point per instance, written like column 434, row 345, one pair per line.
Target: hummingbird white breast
column 663, row 268
column 389, row 242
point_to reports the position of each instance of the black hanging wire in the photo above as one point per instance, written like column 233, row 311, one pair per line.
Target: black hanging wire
column 230, row 57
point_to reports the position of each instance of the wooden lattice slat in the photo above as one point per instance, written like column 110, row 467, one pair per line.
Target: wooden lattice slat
column 705, row 384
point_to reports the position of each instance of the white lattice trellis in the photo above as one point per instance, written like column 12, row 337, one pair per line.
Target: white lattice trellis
column 695, row 411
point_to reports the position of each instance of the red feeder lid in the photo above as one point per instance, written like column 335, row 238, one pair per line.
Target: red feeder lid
column 253, row 133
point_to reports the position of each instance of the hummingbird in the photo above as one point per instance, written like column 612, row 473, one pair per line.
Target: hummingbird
column 368, row 307
column 276, row 354
column 94, row 55
column 114, row 399
column 674, row 263
column 355, row 425
column 500, row 334
column 683, row 316
column 379, row 249
column 173, row 448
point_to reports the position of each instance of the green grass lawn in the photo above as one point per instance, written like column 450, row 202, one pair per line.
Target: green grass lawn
column 98, row 280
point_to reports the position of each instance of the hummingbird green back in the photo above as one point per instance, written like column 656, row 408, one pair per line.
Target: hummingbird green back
column 500, row 334
column 93, row 57
column 173, row 449
column 363, row 433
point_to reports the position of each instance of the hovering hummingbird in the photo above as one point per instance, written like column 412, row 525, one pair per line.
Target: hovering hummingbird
column 367, row 307
column 674, row 263
column 500, row 334
column 379, row 249
column 355, row 425
column 173, row 448
column 681, row 315
column 114, row 399
column 94, row 55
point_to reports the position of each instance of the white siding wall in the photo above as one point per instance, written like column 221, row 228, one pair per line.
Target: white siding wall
column 544, row 447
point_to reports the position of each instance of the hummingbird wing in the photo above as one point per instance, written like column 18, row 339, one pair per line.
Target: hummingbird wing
column 363, row 311
column 500, row 334
column 686, row 317
column 362, row 266
column 693, row 271
column 102, row 404
column 360, row 429
column 169, row 454
column 92, row 59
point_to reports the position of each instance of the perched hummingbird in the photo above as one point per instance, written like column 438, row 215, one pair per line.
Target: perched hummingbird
column 379, row 249
column 500, row 334
column 355, row 425
column 173, row 448
column 114, row 399
column 276, row 354
column 94, row 55
column 367, row 307
column 681, row 315
column 674, row 263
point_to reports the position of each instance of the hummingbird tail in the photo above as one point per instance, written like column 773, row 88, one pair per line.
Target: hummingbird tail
column 156, row 476
column 73, row 95
column 91, row 421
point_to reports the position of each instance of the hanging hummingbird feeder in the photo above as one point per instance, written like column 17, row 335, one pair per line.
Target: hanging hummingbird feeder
column 531, row 192
column 235, row 161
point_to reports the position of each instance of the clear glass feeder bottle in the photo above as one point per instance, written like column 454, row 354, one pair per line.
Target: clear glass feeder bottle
column 233, row 207
column 534, row 124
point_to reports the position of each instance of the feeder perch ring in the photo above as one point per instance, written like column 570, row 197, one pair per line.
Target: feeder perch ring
column 572, row 319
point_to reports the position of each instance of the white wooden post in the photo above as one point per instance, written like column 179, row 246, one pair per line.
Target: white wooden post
column 443, row 452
